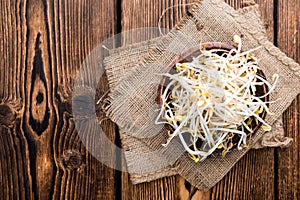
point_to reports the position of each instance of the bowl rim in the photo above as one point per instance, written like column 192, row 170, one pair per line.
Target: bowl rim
column 191, row 51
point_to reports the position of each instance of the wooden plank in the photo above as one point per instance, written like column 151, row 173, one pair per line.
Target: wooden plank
column 253, row 176
column 43, row 45
column 16, row 178
column 76, row 34
column 288, row 160
column 139, row 14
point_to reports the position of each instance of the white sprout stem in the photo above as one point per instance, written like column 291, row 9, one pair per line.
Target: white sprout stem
column 201, row 153
column 212, row 96
column 271, row 88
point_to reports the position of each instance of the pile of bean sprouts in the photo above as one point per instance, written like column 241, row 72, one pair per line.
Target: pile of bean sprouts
column 212, row 98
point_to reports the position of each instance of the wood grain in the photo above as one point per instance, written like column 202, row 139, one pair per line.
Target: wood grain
column 79, row 175
column 43, row 44
column 78, row 33
column 16, row 179
column 288, row 160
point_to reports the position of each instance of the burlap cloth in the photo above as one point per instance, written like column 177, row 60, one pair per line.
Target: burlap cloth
column 134, row 74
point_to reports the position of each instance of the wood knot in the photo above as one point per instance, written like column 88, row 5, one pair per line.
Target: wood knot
column 7, row 115
column 73, row 159
column 84, row 105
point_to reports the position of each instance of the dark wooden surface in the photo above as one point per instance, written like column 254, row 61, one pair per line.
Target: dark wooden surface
column 42, row 45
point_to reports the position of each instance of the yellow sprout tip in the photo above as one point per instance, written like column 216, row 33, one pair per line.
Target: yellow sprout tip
column 194, row 158
column 224, row 152
column 220, row 146
column 266, row 128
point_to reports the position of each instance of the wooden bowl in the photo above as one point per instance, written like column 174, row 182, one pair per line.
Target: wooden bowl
column 187, row 57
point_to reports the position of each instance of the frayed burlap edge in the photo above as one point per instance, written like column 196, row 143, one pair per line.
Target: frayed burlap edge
column 139, row 51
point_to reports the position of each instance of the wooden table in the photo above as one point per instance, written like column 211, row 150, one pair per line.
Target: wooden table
column 43, row 44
